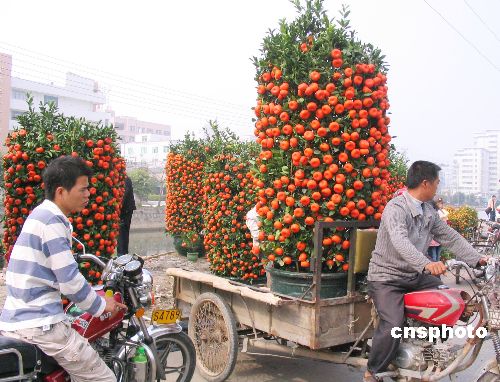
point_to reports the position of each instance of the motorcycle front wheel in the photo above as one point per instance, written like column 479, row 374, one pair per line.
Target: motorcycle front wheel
column 177, row 355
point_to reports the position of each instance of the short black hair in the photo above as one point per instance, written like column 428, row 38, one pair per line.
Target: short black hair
column 64, row 172
column 421, row 170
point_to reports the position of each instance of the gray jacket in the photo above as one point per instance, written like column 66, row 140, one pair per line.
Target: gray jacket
column 404, row 236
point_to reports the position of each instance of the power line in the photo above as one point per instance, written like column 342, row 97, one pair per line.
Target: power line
column 157, row 101
column 93, row 71
column 464, row 38
column 235, row 114
column 482, row 21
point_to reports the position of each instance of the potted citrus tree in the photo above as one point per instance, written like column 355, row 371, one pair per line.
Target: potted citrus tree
column 192, row 244
column 321, row 122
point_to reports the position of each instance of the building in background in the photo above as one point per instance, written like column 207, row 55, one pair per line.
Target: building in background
column 490, row 141
column 5, row 80
column 80, row 98
column 448, row 177
column 129, row 127
column 147, row 150
column 472, row 169
column 475, row 169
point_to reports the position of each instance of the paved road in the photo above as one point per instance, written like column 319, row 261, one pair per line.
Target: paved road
column 266, row 368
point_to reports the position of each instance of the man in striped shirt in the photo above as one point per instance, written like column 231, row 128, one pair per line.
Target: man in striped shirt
column 42, row 267
column 409, row 223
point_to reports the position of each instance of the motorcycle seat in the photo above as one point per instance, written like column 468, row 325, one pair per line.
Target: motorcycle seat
column 31, row 356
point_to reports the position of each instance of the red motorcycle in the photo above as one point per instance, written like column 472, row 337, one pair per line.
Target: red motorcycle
column 422, row 356
column 166, row 352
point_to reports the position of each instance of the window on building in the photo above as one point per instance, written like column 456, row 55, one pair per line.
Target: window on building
column 131, row 128
column 155, row 150
column 150, row 131
column 19, row 94
column 144, row 138
column 130, row 151
column 119, row 126
column 144, row 150
column 165, row 149
column 47, row 99
column 15, row 113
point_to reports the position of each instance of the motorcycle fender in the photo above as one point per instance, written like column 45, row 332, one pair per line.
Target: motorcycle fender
column 154, row 331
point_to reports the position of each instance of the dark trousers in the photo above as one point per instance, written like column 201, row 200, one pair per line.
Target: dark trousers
column 434, row 253
column 388, row 297
column 122, row 248
column 492, row 215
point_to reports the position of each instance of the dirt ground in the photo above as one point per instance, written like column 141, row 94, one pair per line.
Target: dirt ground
column 157, row 265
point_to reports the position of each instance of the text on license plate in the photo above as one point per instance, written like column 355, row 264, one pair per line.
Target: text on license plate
column 166, row 316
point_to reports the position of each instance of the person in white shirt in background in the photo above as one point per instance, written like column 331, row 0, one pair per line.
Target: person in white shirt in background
column 492, row 207
column 442, row 212
column 253, row 224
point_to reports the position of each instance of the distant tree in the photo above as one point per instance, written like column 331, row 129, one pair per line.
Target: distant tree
column 144, row 183
column 398, row 163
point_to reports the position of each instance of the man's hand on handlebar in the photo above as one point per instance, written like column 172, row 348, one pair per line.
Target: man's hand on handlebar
column 436, row 268
column 113, row 306
column 484, row 260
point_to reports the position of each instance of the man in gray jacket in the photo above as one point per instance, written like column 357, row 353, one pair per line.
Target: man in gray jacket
column 409, row 223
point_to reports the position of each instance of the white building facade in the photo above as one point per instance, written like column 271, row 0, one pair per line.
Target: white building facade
column 80, row 97
column 490, row 141
column 148, row 150
column 128, row 127
column 472, row 170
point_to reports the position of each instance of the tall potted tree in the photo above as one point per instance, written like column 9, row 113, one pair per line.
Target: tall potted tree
column 321, row 122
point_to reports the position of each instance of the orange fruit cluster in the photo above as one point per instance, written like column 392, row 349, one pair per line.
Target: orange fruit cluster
column 184, row 178
column 32, row 146
column 228, row 196
column 321, row 120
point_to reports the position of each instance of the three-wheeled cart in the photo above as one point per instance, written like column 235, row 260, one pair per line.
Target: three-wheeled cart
column 224, row 314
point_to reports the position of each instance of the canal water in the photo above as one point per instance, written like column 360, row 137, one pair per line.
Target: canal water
column 149, row 242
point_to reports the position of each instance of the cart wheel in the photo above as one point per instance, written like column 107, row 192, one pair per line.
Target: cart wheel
column 213, row 330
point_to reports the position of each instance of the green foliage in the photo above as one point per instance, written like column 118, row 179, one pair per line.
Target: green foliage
column 462, row 219
column 143, row 182
column 282, row 46
column 398, row 164
column 45, row 135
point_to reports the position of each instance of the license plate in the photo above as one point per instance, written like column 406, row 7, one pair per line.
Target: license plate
column 165, row 316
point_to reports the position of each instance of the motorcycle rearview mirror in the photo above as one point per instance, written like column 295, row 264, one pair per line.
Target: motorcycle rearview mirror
column 79, row 242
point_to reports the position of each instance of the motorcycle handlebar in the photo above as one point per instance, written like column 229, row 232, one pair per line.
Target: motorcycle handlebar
column 92, row 258
column 453, row 264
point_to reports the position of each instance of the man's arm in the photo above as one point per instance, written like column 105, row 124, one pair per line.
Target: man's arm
column 394, row 219
column 451, row 239
column 57, row 249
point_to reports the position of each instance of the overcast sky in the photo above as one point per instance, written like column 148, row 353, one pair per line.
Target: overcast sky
column 184, row 62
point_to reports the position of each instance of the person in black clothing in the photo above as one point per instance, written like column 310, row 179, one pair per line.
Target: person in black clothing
column 128, row 207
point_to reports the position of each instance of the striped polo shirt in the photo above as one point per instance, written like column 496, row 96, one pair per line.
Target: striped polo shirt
column 42, row 267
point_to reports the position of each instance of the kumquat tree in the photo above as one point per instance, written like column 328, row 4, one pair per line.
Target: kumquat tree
column 321, row 120
column 228, row 196
column 184, row 183
column 46, row 135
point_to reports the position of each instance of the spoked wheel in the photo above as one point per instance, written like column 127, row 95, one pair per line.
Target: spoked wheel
column 213, row 330
column 177, row 355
